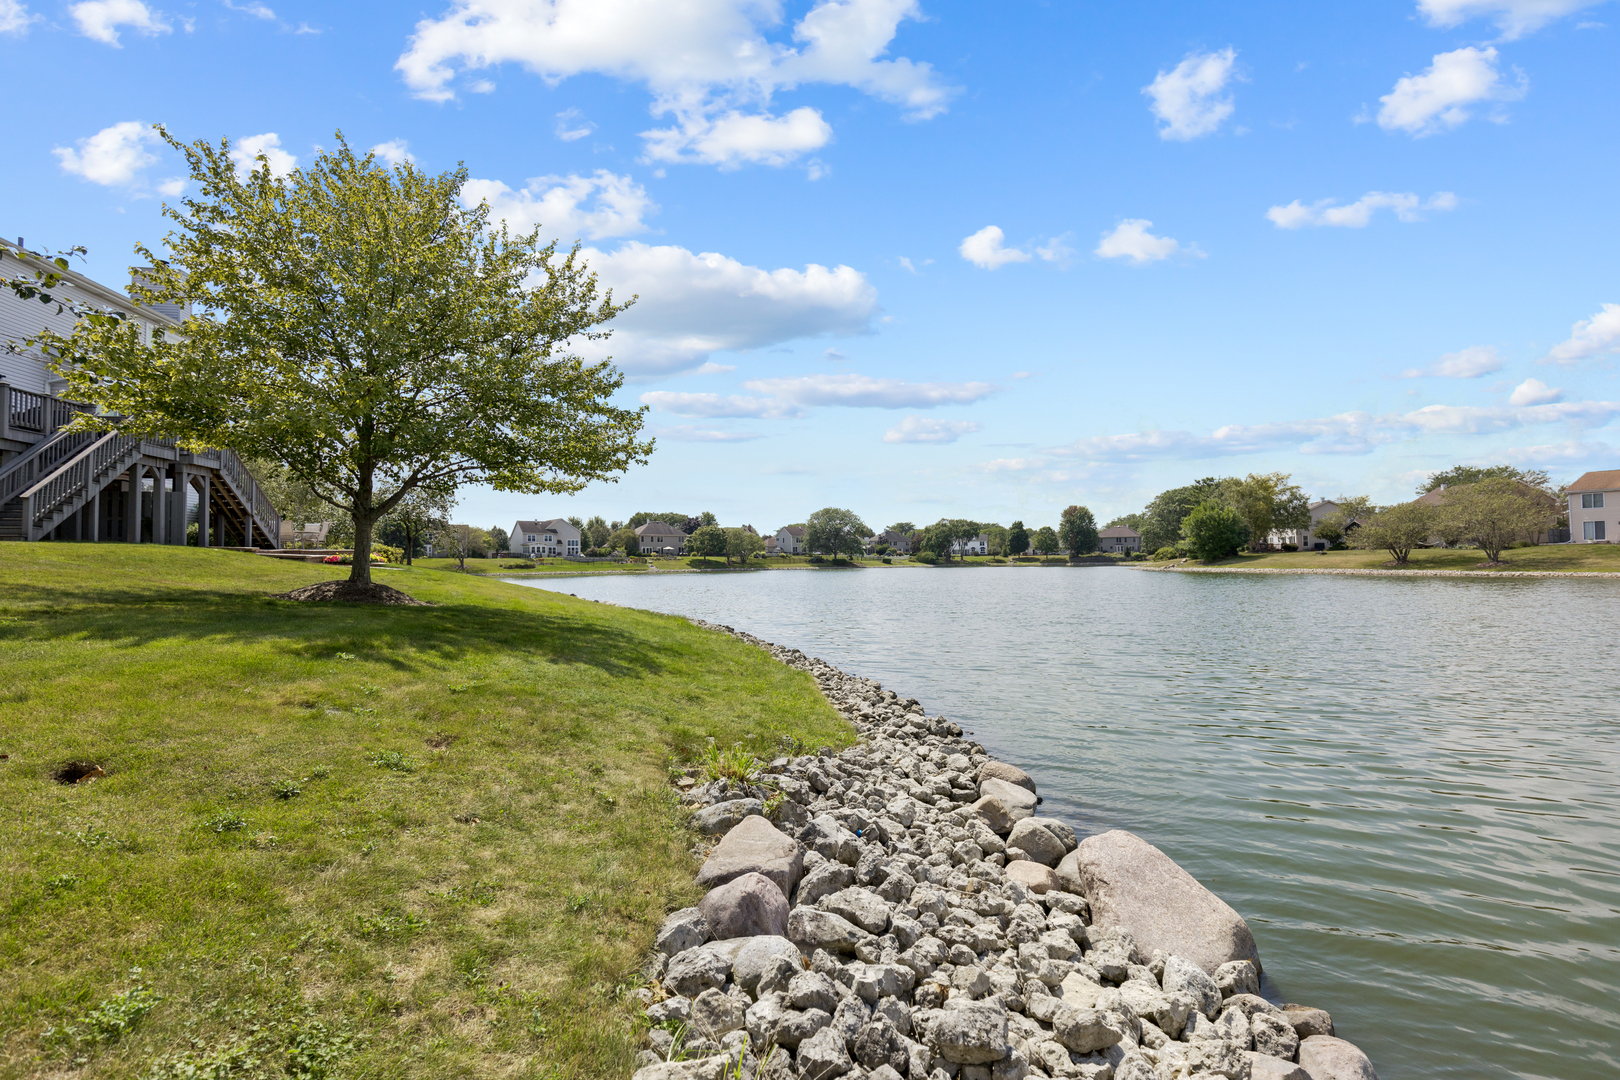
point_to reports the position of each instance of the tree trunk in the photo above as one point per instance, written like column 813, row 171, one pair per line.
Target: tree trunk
column 360, row 572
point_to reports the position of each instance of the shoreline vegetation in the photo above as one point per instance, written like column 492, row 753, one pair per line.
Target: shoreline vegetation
column 316, row 839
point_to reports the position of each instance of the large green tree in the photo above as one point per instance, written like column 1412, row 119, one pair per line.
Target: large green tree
column 1164, row 515
column 1458, row 475
column 832, row 531
column 706, row 541
column 1017, row 539
column 1077, row 530
column 1045, row 541
column 362, row 326
column 1266, row 502
column 596, row 532
column 743, row 544
column 938, row 537
column 1497, row 511
column 1397, row 529
column 1214, row 530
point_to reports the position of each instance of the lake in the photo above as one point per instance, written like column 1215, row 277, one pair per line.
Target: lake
column 1409, row 788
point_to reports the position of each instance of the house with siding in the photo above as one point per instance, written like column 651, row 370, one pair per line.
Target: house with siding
column 977, row 545
column 1594, row 508
column 660, row 537
column 556, row 537
column 790, row 540
column 1120, row 538
column 898, row 542
column 105, row 486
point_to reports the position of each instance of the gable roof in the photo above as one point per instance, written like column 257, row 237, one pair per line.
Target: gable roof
column 1321, row 503
column 1120, row 530
column 659, row 528
column 1605, row 480
column 793, row 530
column 551, row 525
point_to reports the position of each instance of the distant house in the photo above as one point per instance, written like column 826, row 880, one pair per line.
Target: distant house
column 977, row 545
column 540, row 538
column 1306, row 539
column 1119, row 538
column 898, row 542
column 790, row 539
column 660, row 537
column 1594, row 505
column 771, row 547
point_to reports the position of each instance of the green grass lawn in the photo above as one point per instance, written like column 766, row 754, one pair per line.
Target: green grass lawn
column 1584, row 558
column 343, row 839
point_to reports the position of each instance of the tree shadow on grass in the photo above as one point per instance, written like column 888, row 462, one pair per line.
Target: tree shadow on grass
column 139, row 616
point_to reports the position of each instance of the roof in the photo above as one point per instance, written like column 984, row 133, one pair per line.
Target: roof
column 1321, row 503
column 1606, row 480
column 660, row 528
column 103, row 295
column 540, row 526
column 1121, row 530
column 793, row 530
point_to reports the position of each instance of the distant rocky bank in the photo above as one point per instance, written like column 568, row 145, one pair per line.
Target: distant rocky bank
column 902, row 909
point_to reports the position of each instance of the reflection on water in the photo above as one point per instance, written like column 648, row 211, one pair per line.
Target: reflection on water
column 1409, row 788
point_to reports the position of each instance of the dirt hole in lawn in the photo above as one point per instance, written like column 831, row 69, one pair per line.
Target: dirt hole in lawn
column 440, row 740
column 78, row 772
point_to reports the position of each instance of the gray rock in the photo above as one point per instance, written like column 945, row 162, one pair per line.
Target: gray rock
column 1308, row 1021
column 1265, row 1067
column 795, row 1026
column 682, row 930
column 863, row 907
column 879, row 1045
column 1327, row 1058
column 708, row 1068
column 811, row 929
column 895, row 1012
column 1036, row 842
column 715, row 1014
column 1060, row 830
column 872, row 982
column 970, row 1033
column 754, row 845
column 675, row 1008
column 746, row 906
column 1011, row 774
column 1184, row 976
column 1133, row 885
column 812, row 990
column 852, row 1015
column 1237, row 977
column 1220, row 1058
column 1233, row 1026
column 826, row 879
column 1274, row 1036
column 1068, row 873
column 759, row 957
column 1019, row 801
column 994, row 813
column 696, row 970
column 763, row 1016
column 1252, row 1004
column 828, row 838
column 1034, row 876
column 723, row 815
column 1084, row 1031
column 1135, row 1066
column 823, row 1056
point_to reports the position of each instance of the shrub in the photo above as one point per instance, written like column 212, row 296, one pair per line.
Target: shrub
column 926, row 557
column 1290, row 547
column 1214, row 530
column 1166, row 553
column 387, row 554
column 887, row 561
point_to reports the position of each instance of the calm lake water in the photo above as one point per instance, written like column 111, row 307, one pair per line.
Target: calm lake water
column 1409, row 788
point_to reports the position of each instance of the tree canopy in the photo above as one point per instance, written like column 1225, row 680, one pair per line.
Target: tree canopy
column 1495, row 512
column 1459, row 475
column 938, row 537
column 1214, row 530
column 1045, row 541
column 707, row 540
column 362, row 326
column 1017, row 538
column 832, row 531
column 743, row 544
column 1077, row 530
column 1162, row 519
column 1397, row 529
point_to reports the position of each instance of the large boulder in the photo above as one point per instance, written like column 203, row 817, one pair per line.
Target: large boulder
column 746, row 906
column 1132, row 885
column 754, row 846
column 759, row 956
column 724, row 815
column 970, row 1033
column 1266, row 1067
column 1308, row 1021
column 994, row 813
column 1012, row 774
column 1327, row 1058
column 1036, row 841
column 811, row 929
column 1019, row 801
column 1032, row 876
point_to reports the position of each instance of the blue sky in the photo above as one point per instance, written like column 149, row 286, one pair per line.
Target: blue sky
column 927, row 259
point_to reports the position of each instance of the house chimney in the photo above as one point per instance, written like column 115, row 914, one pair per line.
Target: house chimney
column 20, row 243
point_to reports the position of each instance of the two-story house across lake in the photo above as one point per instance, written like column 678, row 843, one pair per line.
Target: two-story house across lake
column 1594, row 508
column 556, row 537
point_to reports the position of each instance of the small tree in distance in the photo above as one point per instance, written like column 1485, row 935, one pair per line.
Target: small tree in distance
column 1214, row 530
column 1045, row 540
column 1017, row 539
column 707, row 541
column 835, row 532
column 742, row 545
column 1397, row 529
column 1077, row 531
column 1497, row 511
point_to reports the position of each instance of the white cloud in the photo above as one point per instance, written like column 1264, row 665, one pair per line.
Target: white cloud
column 100, row 19
column 174, row 186
column 1590, row 337
column 1534, row 392
column 1514, row 18
column 1469, row 363
column 922, row 429
column 394, row 152
column 571, row 125
column 693, row 305
column 14, row 17
column 712, row 368
column 258, row 11
column 1407, row 206
column 567, row 208
column 736, row 139
column 718, row 406
column 112, row 155
column 1186, row 99
column 866, row 392
column 708, row 63
column 692, row 433
column 986, row 249
column 249, row 148
column 1131, row 240
column 1441, row 97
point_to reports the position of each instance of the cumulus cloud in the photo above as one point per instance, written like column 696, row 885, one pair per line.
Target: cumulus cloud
column 718, row 406
column 923, row 429
column 1469, row 363
column 1187, row 99
column 1590, row 337
column 864, row 391
column 571, row 125
column 987, row 249
column 693, row 433
column 112, row 155
column 14, row 17
column 567, row 208
column 250, row 148
column 1407, row 206
column 1514, row 18
column 1443, row 96
column 393, row 152
column 1534, row 392
column 707, row 63
column 693, row 305
column 100, row 19
column 1131, row 240
column 258, row 11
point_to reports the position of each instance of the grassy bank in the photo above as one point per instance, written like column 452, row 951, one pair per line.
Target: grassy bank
column 419, row 842
column 1566, row 558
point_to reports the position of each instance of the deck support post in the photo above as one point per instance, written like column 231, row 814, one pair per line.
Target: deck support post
column 132, row 515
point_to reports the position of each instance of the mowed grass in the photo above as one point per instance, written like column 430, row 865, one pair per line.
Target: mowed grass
column 343, row 840
column 1578, row 558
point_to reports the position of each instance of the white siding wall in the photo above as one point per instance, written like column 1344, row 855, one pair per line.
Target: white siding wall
column 20, row 319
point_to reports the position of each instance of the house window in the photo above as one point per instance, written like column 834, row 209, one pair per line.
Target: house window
column 1592, row 501
column 1593, row 530
column 529, row 538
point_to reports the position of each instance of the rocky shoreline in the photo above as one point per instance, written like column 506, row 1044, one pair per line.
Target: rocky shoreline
column 902, row 909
